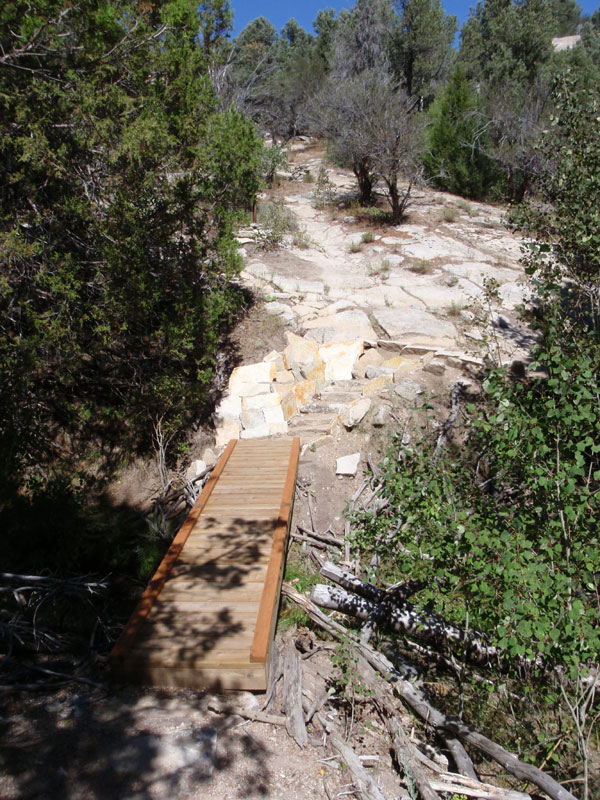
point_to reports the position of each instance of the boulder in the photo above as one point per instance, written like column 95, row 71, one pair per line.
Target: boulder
column 299, row 351
column 304, row 392
column 259, row 432
column 252, row 418
column 228, row 410
column 269, row 400
column 209, row 457
column 263, row 372
column 276, row 358
column 340, row 358
column 435, row 367
column 354, row 413
column 289, row 405
column 381, row 416
column 371, row 357
column 230, row 430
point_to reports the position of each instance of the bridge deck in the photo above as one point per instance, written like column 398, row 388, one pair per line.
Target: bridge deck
column 208, row 615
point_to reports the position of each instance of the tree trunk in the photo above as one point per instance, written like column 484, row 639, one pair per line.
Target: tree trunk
column 365, row 181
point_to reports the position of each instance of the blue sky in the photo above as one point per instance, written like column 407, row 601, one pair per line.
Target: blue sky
column 279, row 12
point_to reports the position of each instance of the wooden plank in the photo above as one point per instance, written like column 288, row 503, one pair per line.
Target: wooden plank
column 265, row 624
column 158, row 581
column 212, row 625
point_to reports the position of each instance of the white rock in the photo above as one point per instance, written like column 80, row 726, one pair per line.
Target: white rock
column 352, row 414
column 231, row 430
column 413, row 322
column 274, row 415
column 281, row 310
column 263, row 372
column 340, row 358
column 252, row 389
column 252, row 418
column 347, row 465
column 408, row 389
column 435, row 367
column 196, row 468
column 209, row 457
column 340, row 327
column 274, row 357
column 229, row 409
column 374, row 371
column 269, row 400
column 260, row 432
column 381, row 416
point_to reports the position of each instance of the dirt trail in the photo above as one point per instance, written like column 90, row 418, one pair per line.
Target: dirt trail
column 417, row 285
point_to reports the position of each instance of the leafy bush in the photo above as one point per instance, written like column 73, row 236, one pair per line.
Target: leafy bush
column 119, row 182
column 455, row 160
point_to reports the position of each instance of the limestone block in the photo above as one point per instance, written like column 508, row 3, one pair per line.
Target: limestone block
column 263, row 372
column 278, row 428
column 435, row 367
column 289, row 405
column 285, row 376
column 371, row 357
column 252, row 389
column 352, row 414
column 252, row 418
column 299, row 351
column 411, row 322
column 231, row 430
column 347, row 465
column 269, row 400
column 341, row 326
column 377, row 385
column 304, row 391
column 275, row 358
column 228, row 410
column 260, row 432
column 315, row 371
column 274, row 415
column 340, row 358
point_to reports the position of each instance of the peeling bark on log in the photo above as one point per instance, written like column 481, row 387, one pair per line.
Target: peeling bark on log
column 362, row 780
column 417, row 701
column 407, row 619
column 392, row 609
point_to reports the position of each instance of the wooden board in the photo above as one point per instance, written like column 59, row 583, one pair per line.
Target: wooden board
column 207, row 617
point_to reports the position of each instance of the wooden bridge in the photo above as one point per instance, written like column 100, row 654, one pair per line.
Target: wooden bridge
column 207, row 617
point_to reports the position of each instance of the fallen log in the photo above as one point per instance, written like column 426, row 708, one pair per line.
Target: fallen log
column 410, row 620
column 414, row 697
column 363, row 782
column 292, row 693
column 392, row 608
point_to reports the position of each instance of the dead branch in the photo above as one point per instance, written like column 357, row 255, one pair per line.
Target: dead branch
column 414, row 697
column 364, row 783
column 444, row 436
